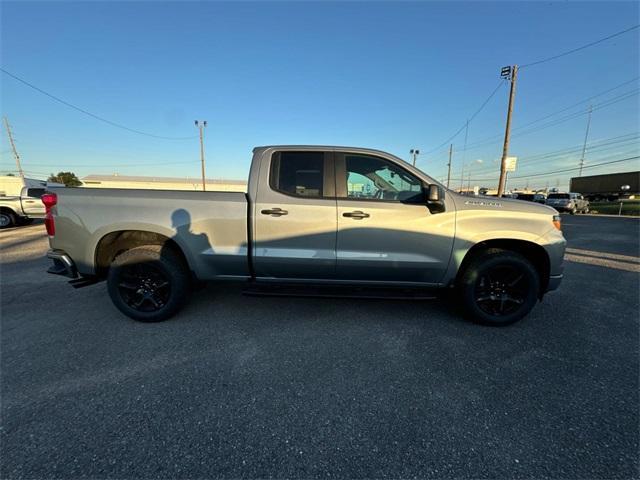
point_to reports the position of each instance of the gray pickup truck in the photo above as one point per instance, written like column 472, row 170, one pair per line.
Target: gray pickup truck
column 314, row 220
column 568, row 202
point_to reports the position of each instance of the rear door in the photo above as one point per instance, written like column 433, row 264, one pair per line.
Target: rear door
column 295, row 216
column 386, row 233
column 32, row 206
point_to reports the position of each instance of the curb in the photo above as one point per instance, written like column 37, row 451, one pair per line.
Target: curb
column 604, row 215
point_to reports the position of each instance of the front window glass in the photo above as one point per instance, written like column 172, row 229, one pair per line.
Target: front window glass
column 373, row 178
column 558, row 195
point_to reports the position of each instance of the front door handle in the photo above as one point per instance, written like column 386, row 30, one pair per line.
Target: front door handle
column 274, row 212
column 357, row 215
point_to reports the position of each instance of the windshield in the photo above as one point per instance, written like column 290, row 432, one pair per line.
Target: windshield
column 558, row 195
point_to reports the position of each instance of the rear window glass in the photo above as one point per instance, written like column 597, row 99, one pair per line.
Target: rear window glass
column 298, row 173
column 558, row 195
column 35, row 192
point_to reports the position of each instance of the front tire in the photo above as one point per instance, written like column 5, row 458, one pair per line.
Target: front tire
column 148, row 283
column 499, row 287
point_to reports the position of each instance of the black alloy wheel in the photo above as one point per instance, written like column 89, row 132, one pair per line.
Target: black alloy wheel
column 144, row 287
column 501, row 290
column 499, row 287
column 149, row 283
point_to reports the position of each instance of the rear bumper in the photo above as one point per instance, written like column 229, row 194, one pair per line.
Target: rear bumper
column 62, row 264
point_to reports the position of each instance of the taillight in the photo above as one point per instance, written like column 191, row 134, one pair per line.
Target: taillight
column 50, row 200
column 556, row 222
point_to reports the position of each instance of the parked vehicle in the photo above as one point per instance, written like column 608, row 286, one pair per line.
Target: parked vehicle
column 530, row 197
column 314, row 220
column 568, row 202
column 22, row 208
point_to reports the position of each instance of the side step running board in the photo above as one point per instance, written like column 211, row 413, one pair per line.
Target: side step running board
column 350, row 291
column 84, row 281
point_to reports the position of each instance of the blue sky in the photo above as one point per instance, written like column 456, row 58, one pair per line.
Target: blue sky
column 391, row 76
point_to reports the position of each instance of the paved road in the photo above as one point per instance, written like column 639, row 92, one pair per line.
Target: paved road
column 255, row 387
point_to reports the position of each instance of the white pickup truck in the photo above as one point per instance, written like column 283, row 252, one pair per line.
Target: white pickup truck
column 348, row 221
column 22, row 208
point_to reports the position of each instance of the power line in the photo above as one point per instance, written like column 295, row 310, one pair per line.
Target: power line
column 569, row 52
column 121, row 165
column 494, row 139
column 561, row 110
column 484, row 104
column 595, row 146
column 600, row 153
column 92, row 115
column 560, row 171
column 578, row 168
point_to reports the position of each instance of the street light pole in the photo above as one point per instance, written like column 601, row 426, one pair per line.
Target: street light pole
column 414, row 152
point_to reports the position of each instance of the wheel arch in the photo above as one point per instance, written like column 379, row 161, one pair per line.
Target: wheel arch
column 533, row 252
column 5, row 209
column 113, row 243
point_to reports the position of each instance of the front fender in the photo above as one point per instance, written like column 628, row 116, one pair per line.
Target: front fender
column 477, row 226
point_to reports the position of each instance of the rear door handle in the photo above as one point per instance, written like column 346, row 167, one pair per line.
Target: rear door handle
column 275, row 212
column 357, row 215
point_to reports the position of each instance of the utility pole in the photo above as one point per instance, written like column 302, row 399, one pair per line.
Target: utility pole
column 464, row 154
column 415, row 154
column 13, row 147
column 449, row 165
column 201, row 126
column 584, row 145
column 510, row 73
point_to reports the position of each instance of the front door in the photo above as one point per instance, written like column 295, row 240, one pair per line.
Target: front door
column 295, row 217
column 386, row 233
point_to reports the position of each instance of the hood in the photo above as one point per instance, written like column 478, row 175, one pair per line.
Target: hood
column 495, row 204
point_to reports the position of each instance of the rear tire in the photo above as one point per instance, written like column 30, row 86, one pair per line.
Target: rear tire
column 7, row 219
column 148, row 283
column 499, row 287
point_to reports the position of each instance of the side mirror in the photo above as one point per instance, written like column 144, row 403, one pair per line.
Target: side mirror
column 433, row 193
column 434, row 198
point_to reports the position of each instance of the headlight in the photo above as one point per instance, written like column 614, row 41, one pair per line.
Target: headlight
column 556, row 222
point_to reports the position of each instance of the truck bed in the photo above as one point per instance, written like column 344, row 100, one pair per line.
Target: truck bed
column 210, row 227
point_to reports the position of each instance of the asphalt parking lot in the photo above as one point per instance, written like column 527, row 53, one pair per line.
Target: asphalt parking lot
column 241, row 386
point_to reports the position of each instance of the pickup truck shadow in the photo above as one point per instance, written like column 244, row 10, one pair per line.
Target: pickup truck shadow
column 219, row 304
column 181, row 222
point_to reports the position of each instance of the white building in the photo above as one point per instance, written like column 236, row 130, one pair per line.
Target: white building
column 162, row 183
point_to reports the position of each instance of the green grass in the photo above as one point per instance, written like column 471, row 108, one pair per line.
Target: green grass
column 629, row 207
